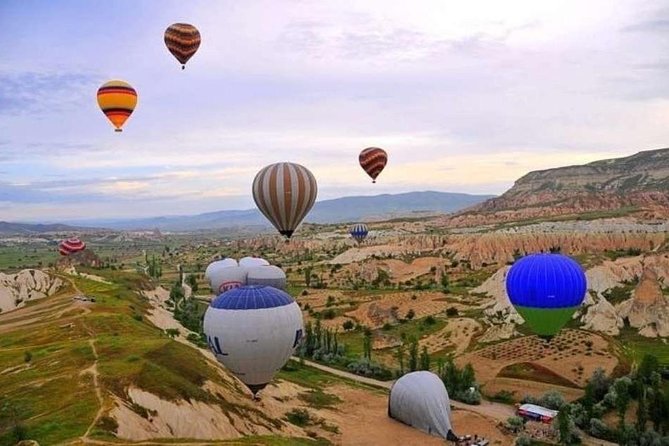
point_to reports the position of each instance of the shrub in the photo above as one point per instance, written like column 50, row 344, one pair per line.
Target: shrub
column 27, row 356
column 451, row 312
column 299, row 417
column 468, row 396
column 348, row 325
column 329, row 314
column 430, row 320
column 410, row 314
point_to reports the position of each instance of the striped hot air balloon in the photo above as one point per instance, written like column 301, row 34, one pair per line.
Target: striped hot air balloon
column 117, row 99
column 373, row 160
column 546, row 289
column 70, row 246
column 359, row 232
column 284, row 193
column 182, row 41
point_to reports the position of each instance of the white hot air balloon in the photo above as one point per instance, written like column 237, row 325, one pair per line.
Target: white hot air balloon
column 224, row 278
column 420, row 400
column 218, row 264
column 252, row 261
column 253, row 330
column 269, row 275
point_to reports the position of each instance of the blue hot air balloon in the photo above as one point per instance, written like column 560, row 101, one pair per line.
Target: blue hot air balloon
column 546, row 289
column 253, row 330
column 359, row 232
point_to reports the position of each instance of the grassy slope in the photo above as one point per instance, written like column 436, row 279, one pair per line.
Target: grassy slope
column 58, row 403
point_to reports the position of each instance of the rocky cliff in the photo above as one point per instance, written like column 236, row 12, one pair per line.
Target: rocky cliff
column 28, row 284
column 635, row 183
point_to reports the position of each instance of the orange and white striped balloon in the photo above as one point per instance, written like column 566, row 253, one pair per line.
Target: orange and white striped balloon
column 117, row 99
column 285, row 193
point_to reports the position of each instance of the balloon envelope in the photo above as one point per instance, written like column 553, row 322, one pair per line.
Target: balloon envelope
column 284, row 193
column 182, row 40
column 373, row 160
column 546, row 289
column 117, row 100
column 359, row 232
column 253, row 331
column 224, row 278
column 252, row 261
column 269, row 275
column 70, row 246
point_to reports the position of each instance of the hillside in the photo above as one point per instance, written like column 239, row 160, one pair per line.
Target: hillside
column 338, row 210
column 28, row 228
column 622, row 185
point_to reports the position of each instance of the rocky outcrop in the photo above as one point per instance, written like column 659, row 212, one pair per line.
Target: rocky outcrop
column 26, row 285
column 601, row 316
column 648, row 309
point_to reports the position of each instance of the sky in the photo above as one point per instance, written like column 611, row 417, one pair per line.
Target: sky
column 464, row 96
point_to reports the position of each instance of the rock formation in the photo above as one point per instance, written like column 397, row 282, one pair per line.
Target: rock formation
column 648, row 309
column 28, row 284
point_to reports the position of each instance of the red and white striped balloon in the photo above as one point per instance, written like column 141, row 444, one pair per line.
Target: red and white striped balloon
column 70, row 246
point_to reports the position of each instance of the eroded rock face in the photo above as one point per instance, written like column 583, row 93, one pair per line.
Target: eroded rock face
column 601, row 316
column 648, row 309
column 28, row 284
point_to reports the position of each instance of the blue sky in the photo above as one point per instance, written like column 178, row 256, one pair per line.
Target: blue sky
column 465, row 97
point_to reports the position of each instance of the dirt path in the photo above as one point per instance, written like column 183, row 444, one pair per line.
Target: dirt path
column 93, row 370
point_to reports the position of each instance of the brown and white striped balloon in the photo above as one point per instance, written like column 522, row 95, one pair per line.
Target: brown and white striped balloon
column 182, row 40
column 285, row 193
column 373, row 160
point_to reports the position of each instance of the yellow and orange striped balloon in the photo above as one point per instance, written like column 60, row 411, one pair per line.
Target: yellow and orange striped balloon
column 117, row 99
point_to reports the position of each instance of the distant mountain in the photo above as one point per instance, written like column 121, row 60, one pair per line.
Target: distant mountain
column 346, row 209
column 631, row 184
column 28, row 228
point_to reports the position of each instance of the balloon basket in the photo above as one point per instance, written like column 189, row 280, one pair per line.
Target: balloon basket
column 118, row 130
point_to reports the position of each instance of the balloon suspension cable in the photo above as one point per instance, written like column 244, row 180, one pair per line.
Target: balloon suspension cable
column 118, row 130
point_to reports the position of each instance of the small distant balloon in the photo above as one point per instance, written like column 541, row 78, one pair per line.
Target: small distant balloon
column 182, row 40
column 117, row 100
column 359, row 232
column 284, row 193
column 70, row 246
column 373, row 160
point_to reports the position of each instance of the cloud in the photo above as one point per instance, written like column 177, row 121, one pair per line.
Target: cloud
column 43, row 92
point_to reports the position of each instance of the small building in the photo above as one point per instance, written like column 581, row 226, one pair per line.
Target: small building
column 537, row 413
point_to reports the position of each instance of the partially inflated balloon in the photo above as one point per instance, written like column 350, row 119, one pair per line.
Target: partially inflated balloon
column 117, row 99
column 182, row 41
column 373, row 160
column 70, row 246
column 546, row 289
column 359, row 232
column 284, row 193
column 225, row 278
column 253, row 331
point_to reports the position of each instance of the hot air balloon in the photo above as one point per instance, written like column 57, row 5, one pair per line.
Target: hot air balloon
column 117, row 99
column 223, row 278
column 284, row 193
column 269, row 275
column 213, row 266
column 420, row 399
column 182, row 41
column 70, row 246
column 252, row 261
column 252, row 331
column 546, row 289
column 359, row 232
column 373, row 160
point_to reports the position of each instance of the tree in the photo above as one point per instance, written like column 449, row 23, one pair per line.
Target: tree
column 176, row 293
column 657, row 403
column 565, row 426
column 400, row 357
column 649, row 364
column 515, row 424
column 622, row 387
column 367, row 344
column 348, row 325
column 410, row 314
column 413, row 354
column 192, row 282
column 597, row 387
column 468, row 377
column 642, row 409
column 307, row 275
column 444, row 281
column 424, row 359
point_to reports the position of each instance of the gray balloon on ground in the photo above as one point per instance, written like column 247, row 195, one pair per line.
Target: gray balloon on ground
column 222, row 279
column 268, row 275
column 420, row 400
